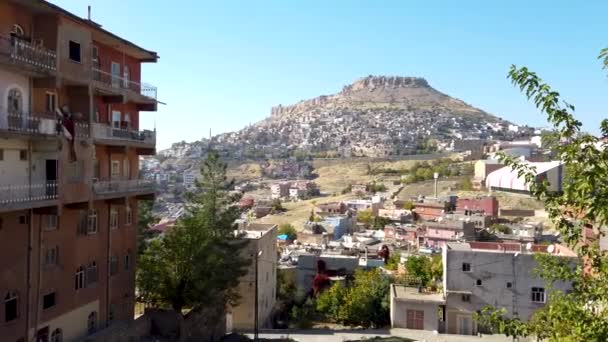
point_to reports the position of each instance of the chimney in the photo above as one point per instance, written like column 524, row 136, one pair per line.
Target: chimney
column 89, row 12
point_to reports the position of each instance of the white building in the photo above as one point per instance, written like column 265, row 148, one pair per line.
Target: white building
column 505, row 179
column 475, row 275
column 189, row 178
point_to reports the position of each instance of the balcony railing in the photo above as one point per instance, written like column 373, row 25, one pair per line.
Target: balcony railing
column 22, row 51
column 120, row 83
column 123, row 186
column 38, row 125
column 28, row 124
column 15, row 194
column 102, row 131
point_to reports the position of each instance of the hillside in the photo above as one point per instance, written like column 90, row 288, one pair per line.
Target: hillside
column 375, row 116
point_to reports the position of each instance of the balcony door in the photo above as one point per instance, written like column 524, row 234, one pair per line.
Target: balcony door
column 51, row 177
column 116, row 119
column 115, row 74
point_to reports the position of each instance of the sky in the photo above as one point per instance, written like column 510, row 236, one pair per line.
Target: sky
column 224, row 64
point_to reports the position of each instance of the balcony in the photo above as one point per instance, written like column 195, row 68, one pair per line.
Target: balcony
column 116, row 136
column 127, row 187
column 35, row 59
column 17, row 196
column 37, row 126
column 140, row 93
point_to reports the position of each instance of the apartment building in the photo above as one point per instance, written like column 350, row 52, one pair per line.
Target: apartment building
column 475, row 275
column 263, row 246
column 70, row 98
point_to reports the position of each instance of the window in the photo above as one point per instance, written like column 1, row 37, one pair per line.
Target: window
column 116, row 115
column 509, row 285
column 51, row 102
column 57, row 335
column 92, row 222
column 51, row 222
column 128, row 216
column 14, row 101
column 466, row 267
column 113, row 265
column 115, row 70
column 74, row 51
column 1, row 154
column 24, row 219
column 79, row 278
column 10, row 306
column 81, row 225
column 75, row 171
column 22, row 154
column 115, row 172
column 48, row 301
column 128, row 121
column 538, row 295
column 17, row 31
column 126, row 168
column 92, row 322
column 113, row 218
column 478, row 282
column 125, row 76
column 128, row 261
column 51, row 256
column 91, row 276
column 466, row 298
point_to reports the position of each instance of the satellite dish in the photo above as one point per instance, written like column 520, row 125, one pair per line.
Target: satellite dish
column 529, row 246
column 550, row 249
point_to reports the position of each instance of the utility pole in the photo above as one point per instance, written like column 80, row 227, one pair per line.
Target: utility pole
column 436, row 177
column 255, row 314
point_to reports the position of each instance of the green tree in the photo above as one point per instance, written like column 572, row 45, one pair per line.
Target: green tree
column 500, row 228
column 289, row 230
column 366, row 217
column 146, row 219
column 276, row 205
column 425, row 270
column 408, row 205
column 311, row 218
column 582, row 313
column 198, row 261
column 393, row 261
column 380, row 222
column 365, row 303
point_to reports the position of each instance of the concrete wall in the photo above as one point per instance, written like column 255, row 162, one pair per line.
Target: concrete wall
column 495, row 270
column 399, row 312
column 243, row 314
column 74, row 324
column 71, row 30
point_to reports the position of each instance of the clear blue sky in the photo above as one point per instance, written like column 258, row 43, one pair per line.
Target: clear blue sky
column 223, row 64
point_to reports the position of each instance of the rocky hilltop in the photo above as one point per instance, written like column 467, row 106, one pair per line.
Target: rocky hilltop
column 394, row 91
column 375, row 116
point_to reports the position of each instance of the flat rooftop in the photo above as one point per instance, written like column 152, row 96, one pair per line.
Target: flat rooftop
column 412, row 294
column 507, row 247
column 257, row 230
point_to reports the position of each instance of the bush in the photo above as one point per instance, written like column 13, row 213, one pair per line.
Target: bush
column 289, row 230
column 500, row 228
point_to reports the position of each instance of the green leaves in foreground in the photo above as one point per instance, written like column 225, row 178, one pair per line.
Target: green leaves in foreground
column 580, row 314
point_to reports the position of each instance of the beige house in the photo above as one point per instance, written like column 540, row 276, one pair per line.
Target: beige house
column 482, row 169
column 262, row 244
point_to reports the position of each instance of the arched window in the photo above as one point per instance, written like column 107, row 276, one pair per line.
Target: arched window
column 79, row 278
column 17, row 31
column 10, row 306
column 57, row 335
column 14, row 101
column 92, row 322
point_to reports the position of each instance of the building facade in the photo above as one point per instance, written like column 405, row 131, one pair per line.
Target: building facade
column 69, row 183
column 263, row 246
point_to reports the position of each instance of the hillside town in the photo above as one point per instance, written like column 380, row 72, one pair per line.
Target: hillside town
column 388, row 211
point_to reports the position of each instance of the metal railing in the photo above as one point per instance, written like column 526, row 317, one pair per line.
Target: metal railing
column 13, row 194
column 22, row 51
column 38, row 125
column 103, row 131
column 123, row 186
column 120, row 83
column 28, row 124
